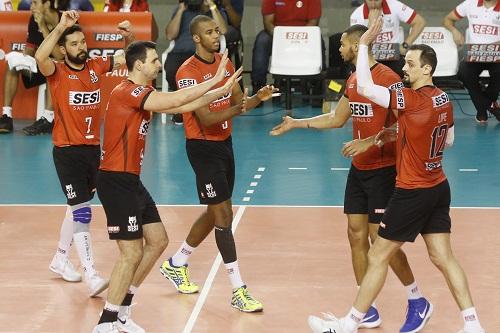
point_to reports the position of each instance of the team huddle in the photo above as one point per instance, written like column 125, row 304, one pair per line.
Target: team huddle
column 396, row 188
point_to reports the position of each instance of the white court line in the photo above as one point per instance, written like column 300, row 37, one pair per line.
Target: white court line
column 257, row 176
column 246, row 198
column 250, row 191
column 210, row 279
column 468, row 170
column 339, row 169
column 254, row 183
column 261, row 169
column 297, row 168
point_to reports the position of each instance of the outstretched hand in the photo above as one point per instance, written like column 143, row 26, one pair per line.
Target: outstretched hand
column 124, row 28
column 355, row 147
column 221, row 70
column 373, row 30
column 244, row 101
column 234, row 79
column 285, row 126
column 265, row 93
column 386, row 135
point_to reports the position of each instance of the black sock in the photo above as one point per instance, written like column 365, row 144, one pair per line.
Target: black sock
column 225, row 243
column 127, row 301
column 108, row 316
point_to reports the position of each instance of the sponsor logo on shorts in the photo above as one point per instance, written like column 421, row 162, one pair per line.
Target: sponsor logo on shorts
column 137, row 91
column 382, row 225
column 210, row 190
column 379, row 211
column 113, row 230
column 79, row 98
column 132, row 224
column 70, row 193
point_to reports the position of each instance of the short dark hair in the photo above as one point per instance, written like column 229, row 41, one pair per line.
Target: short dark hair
column 427, row 56
column 74, row 28
column 137, row 51
column 196, row 21
column 355, row 31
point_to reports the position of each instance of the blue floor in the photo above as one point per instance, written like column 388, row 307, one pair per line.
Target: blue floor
column 28, row 175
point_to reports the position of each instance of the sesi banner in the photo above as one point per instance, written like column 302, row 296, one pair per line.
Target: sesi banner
column 102, row 40
column 482, row 53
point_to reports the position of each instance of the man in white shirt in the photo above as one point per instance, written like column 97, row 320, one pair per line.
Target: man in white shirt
column 484, row 28
column 5, row 6
column 393, row 12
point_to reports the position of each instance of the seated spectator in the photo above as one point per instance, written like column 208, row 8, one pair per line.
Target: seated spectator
column 393, row 12
column 279, row 13
column 127, row 6
column 484, row 27
column 177, row 30
column 5, row 6
column 44, row 18
column 233, row 11
column 82, row 5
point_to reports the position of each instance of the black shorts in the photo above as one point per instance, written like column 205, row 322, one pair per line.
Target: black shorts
column 76, row 167
column 127, row 204
column 31, row 80
column 417, row 211
column 213, row 164
column 369, row 191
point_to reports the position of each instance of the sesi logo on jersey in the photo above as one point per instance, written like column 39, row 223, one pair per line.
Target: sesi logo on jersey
column 361, row 109
column 184, row 83
column 440, row 100
column 400, row 99
column 137, row 91
column 80, row 98
column 143, row 129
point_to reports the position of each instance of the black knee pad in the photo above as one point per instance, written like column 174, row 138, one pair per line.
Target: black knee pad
column 225, row 243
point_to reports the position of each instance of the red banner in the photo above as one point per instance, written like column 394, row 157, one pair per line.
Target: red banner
column 102, row 39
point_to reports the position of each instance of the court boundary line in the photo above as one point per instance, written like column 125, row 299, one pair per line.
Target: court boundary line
column 210, row 278
column 249, row 206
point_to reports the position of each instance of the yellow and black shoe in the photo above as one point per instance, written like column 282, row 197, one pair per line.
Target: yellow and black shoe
column 243, row 301
column 179, row 276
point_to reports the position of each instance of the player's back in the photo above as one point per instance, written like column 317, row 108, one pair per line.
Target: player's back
column 425, row 115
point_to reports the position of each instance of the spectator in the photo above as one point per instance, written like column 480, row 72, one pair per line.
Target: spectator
column 177, row 30
column 484, row 26
column 127, row 6
column 393, row 12
column 233, row 11
column 44, row 18
column 5, row 6
column 82, row 5
column 282, row 13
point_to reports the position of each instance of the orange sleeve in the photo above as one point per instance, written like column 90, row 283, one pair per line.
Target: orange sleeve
column 137, row 96
column 187, row 77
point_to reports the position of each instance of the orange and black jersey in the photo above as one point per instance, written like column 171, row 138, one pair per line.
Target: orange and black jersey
column 193, row 71
column 126, row 125
column 369, row 118
column 76, row 95
column 424, row 117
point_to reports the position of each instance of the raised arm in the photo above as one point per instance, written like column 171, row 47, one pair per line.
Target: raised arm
column 377, row 94
column 124, row 28
column 43, row 53
column 449, row 23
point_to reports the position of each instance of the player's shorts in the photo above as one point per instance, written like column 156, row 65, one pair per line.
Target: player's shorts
column 76, row 167
column 31, row 80
column 368, row 191
column 127, row 204
column 213, row 164
column 417, row 211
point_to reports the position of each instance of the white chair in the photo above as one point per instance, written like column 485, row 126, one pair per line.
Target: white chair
column 164, row 55
column 296, row 53
column 441, row 40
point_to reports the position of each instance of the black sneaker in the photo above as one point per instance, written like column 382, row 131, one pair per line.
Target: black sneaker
column 177, row 119
column 494, row 109
column 6, row 124
column 41, row 126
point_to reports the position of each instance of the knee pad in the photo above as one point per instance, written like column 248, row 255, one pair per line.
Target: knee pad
column 225, row 243
column 82, row 215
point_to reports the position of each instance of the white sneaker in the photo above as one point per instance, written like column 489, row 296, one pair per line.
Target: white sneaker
column 332, row 325
column 125, row 323
column 106, row 328
column 65, row 269
column 465, row 331
column 96, row 284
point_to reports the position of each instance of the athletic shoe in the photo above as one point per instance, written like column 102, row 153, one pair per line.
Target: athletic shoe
column 65, row 269
column 96, row 284
column 106, row 328
column 177, row 119
column 330, row 325
column 6, row 125
column 125, row 323
column 483, row 120
column 243, row 301
column 41, row 126
column 179, row 276
column 469, row 331
column 371, row 320
column 418, row 313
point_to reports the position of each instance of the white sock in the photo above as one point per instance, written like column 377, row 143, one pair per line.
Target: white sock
column 234, row 274
column 7, row 110
column 111, row 307
column 132, row 289
column 352, row 320
column 66, row 235
column 471, row 320
column 49, row 115
column 180, row 258
column 413, row 291
column 83, row 244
